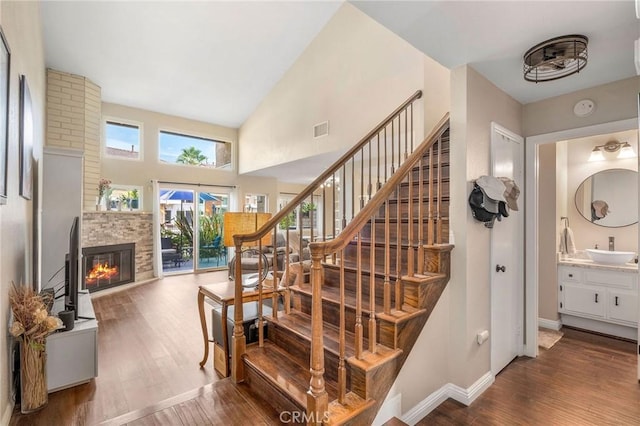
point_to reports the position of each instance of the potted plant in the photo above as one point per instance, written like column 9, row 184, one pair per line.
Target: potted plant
column 306, row 208
column 133, row 199
column 124, row 201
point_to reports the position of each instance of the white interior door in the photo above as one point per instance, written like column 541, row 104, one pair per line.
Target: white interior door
column 507, row 254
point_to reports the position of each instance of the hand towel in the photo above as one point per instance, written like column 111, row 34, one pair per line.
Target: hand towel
column 567, row 245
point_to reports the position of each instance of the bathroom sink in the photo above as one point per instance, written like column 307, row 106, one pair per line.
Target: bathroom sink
column 610, row 257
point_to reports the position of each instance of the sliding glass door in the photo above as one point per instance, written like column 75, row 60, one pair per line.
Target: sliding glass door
column 191, row 232
column 211, row 251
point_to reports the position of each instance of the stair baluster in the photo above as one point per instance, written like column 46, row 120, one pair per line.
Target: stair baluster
column 342, row 369
column 439, row 194
column 410, row 219
column 398, row 248
column 372, row 288
column 420, row 216
column 358, row 327
column 387, row 259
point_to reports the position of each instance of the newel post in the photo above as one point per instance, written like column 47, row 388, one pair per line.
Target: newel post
column 238, row 341
column 317, row 398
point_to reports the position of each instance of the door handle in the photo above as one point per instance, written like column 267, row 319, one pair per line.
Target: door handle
column 501, row 268
column 596, row 297
column 616, row 300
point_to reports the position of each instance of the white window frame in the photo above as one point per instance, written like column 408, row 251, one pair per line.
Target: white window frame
column 121, row 187
column 198, row 135
column 126, row 122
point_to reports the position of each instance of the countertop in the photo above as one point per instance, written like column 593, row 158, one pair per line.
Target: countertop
column 590, row 264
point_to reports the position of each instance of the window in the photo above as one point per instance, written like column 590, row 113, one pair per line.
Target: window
column 177, row 148
column 255, row 203
column 122, row 140
column 125, row 197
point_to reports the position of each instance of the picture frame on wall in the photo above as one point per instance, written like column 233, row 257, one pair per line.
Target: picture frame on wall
column 26, row 140
column 5, row 73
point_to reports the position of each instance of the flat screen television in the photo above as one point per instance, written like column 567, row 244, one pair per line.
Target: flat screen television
column 72, row 277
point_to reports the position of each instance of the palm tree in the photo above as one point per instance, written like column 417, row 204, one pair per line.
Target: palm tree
column 192, row 156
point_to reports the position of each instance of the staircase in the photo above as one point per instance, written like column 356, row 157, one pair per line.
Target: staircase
column 378, row 266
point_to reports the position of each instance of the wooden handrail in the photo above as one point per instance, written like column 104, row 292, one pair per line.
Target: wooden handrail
column 308, row 191
column 322, row 248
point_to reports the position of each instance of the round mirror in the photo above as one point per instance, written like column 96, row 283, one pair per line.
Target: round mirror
column 609, row 198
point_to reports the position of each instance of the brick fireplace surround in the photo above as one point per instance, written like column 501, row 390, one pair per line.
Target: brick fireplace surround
column 113, row 227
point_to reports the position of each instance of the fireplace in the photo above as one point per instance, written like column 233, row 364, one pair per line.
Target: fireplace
column 108, row 266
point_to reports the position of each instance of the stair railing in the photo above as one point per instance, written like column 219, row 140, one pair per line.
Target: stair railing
column 367, row 215
column 344, row 188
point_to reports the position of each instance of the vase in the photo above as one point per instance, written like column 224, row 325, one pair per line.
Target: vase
column 33, row 376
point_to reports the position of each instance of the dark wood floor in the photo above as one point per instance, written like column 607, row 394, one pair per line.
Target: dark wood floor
column 150, row 345
column 583, row 379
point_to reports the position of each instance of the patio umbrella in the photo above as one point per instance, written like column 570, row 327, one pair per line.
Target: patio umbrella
column 184, row 196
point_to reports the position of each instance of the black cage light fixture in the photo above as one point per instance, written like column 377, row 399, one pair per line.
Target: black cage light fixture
column 556, row 58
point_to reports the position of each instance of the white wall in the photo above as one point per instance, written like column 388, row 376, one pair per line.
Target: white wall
column 475, row 103
column 21, row 24
column 354, row 73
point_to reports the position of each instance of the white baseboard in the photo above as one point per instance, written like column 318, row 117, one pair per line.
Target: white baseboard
column 550, row 324
column 427, row 405
column 392, row 407
column 6, row 416
column 464, row 396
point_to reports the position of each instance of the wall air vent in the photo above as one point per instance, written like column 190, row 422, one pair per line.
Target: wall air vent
column 321, row 129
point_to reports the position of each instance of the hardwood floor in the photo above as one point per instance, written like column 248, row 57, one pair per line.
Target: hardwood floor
column 149, row 347
column 584, row 379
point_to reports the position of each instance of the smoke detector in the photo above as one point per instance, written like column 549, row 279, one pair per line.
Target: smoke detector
column 556, row 58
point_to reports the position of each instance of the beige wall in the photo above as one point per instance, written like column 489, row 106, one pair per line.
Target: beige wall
column 547, row 235
column 354, row 73
column 475, row 103
column 21, row 25
column 128, row 172
column 614, row 101
column 415, row 382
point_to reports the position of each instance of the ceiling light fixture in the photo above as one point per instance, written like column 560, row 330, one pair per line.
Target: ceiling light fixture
column 556, row 58
column 626, row 151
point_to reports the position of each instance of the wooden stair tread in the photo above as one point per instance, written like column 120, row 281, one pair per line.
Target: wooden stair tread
column 398, row 317
column 352, row 269
column 372, row 360
column 332, row 295
column 366, row 241
column 352, row 406
column 300, row 323
column 284, row 371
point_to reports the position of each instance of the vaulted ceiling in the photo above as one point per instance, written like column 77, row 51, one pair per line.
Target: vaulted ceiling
column 215, row 61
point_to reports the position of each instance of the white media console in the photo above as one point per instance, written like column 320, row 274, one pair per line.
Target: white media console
column 72, row 356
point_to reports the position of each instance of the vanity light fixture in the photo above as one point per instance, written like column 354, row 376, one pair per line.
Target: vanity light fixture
column 625, row 150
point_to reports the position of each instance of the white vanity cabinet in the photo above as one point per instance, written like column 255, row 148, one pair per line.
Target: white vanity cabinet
column 608, row 296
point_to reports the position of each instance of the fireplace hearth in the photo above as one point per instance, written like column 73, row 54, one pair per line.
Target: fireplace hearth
column 108, row 266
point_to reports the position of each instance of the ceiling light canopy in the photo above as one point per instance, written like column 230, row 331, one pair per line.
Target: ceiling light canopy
column 556, row 58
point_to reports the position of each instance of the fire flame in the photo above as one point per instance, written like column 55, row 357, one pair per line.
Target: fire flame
column 101, row 271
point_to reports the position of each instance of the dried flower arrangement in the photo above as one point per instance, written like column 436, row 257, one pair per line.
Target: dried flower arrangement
column 31, row 326
column 103, row 186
